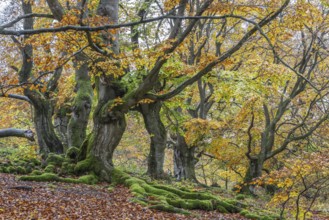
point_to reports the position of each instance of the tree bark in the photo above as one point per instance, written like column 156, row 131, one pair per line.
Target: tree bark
column 106, row 138
column 109, row 122
column 184, row 160
column 61, row 121
column 158, row 136
column 47, row 139
column 77, row 126
column 12, row 132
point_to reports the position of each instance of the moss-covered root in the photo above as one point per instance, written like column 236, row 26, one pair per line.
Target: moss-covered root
column 49, row 177
column 258, row 216
column 171, row 199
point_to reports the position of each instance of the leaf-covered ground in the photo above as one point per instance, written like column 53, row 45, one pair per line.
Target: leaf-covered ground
column 44, row 200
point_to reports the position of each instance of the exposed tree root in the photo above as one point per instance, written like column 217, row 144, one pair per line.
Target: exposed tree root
column 170, row 199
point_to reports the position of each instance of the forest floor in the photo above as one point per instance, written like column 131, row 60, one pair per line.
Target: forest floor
column 53, row 200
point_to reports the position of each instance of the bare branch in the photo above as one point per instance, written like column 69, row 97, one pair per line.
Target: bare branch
column 14, row 96
column 12, row 132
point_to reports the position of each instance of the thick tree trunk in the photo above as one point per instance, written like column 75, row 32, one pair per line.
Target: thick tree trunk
column 12, row 132
column 107, row 136
column 47, row 139
column 254, row 171
column 109, row 121
column 158, row 136
column 184, row 160
column 81, row 108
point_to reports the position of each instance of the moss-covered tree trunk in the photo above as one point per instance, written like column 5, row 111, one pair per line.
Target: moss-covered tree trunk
column 109, row 119
column 158, row 136
column 184, row 160
column 81, row 108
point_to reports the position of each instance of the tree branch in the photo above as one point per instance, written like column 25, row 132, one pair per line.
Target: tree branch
column 12, row 132
column 15, row 96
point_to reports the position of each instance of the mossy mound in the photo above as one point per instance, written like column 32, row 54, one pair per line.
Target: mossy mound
column 72, row 153
column 50, row 177
column 55, row 159
column 19, row 166
column 259, row 215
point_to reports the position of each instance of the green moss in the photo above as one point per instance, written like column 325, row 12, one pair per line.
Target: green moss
column 67, row 168
column 138, row 201
column 21, row 170
column 119, row 177
column 69, row 180
column 136, row 188
column 11, row 169
column 221, row 209
column 36, row 172
column 50, row 168
column 85, row 92
column 236, row 203
column 252, row 216
column 35, row 161
column 55, row 159
column 86, row 146
column 84, row 166
column 72, row 153
column 88, row 179
column 152, row 190
column 187, row 195
column 229, row 207
column 191, row 204
column 132, row 180
column 167, row 198
column 41, row 178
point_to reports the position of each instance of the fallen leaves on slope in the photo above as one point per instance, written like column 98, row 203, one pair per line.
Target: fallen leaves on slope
column 34, row 200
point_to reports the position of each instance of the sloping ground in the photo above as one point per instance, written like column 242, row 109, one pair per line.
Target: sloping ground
column 44, row 200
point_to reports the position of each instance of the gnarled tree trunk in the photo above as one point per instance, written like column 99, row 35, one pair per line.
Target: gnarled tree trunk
column 47, row 139
column 158, row 136
column 106, row 138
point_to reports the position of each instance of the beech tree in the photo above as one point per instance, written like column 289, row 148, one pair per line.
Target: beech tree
column 99, row 33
